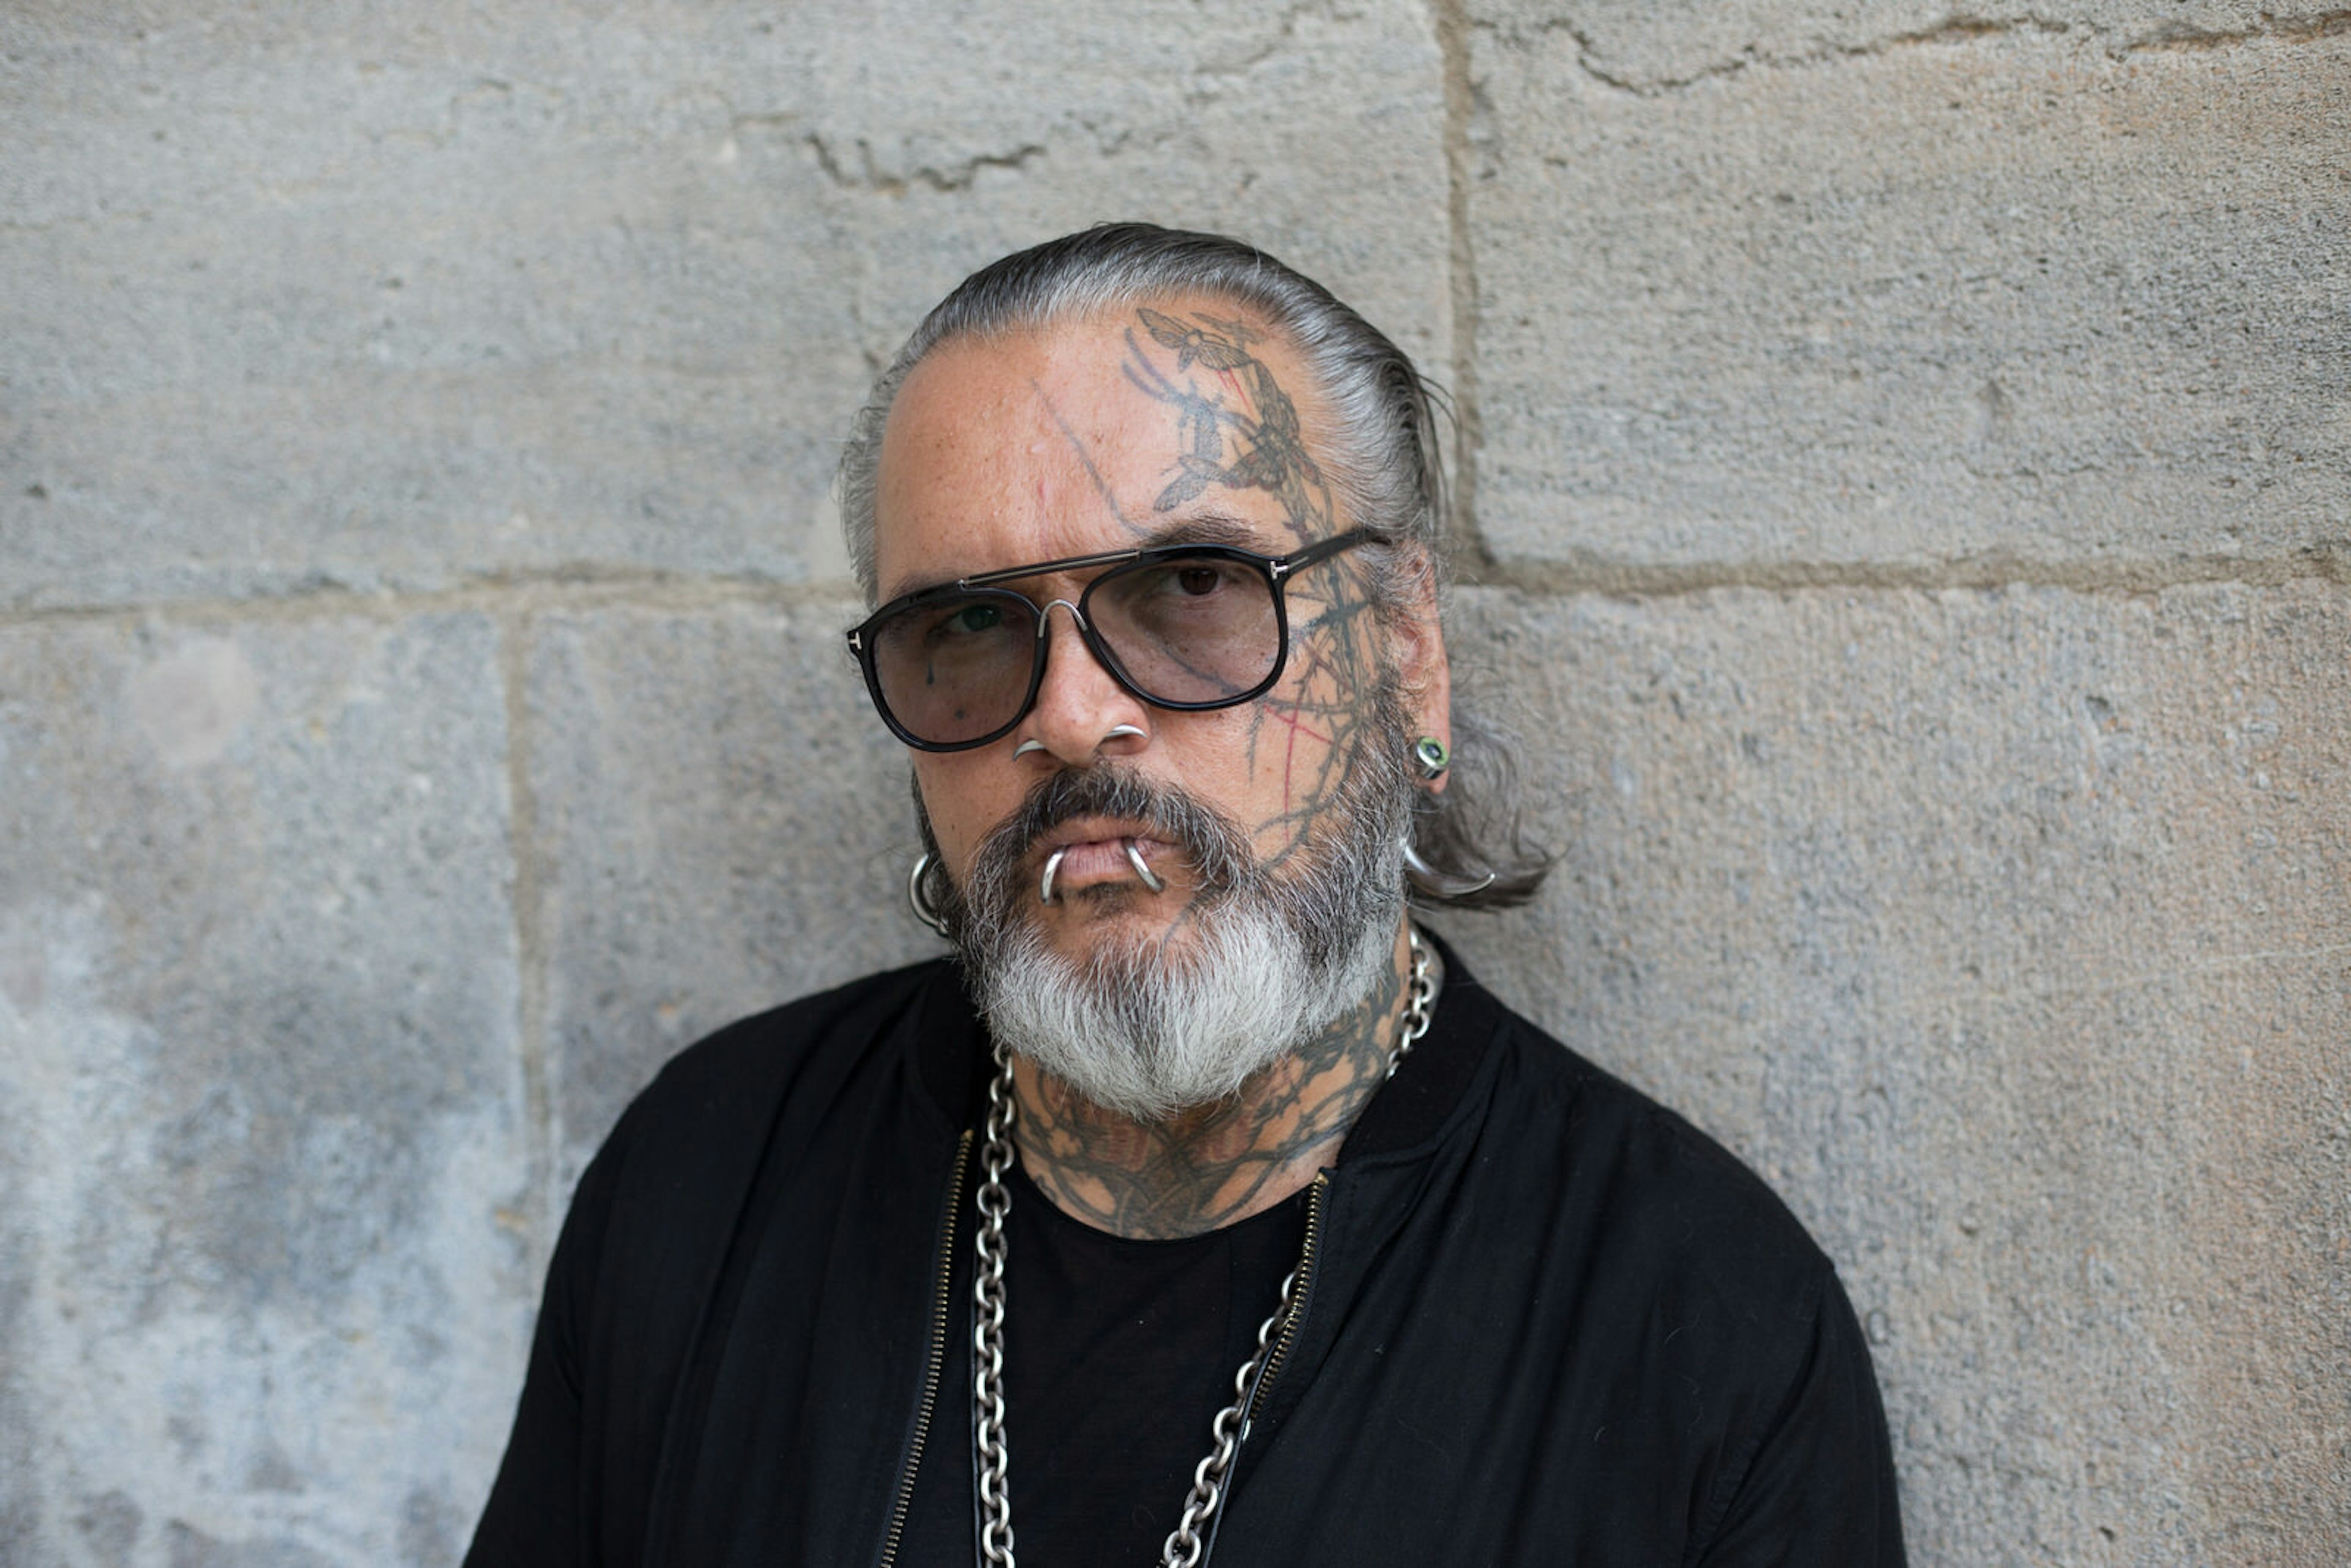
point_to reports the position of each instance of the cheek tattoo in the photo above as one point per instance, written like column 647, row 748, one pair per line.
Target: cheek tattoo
column 1237, row 429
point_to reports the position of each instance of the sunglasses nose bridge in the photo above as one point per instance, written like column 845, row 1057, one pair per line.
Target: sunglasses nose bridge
column 1080, row 703
column 1078, row 623
column 1087, row 635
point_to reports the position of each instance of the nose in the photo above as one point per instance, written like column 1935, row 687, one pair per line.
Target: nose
column 1079, row 702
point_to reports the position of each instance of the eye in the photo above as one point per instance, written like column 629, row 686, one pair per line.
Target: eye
column 970, row 619
column 1196, row 577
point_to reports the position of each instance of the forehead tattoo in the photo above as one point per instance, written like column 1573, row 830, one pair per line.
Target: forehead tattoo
column 1242, row 406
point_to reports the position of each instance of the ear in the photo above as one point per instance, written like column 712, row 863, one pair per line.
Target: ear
column 1416, row 645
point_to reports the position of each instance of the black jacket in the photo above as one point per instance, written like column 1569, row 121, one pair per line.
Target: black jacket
column 1548, row 1320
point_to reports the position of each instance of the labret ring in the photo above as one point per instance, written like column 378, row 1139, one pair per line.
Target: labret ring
column 1134, row 858
column 1134, row 852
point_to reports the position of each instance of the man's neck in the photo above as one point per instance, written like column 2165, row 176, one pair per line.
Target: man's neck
column 1218, row 1164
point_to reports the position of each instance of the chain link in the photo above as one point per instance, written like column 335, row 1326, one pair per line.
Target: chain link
column 1186, row 1542
column 988, row 1323
column 1189, row 1541
column 1420, row 992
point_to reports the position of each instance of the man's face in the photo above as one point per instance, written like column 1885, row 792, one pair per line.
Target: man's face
column 1180, row 420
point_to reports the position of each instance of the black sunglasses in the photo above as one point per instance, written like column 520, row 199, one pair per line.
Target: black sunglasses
column 1180, row 626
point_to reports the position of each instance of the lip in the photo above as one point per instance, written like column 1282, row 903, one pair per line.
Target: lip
column 1079, row 830
column 1093, row 850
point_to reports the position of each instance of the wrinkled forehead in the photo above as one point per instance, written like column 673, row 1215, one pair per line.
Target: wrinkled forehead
column 1094, row 433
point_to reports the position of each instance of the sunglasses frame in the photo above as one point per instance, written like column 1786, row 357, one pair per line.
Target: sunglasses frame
column 1276, row 569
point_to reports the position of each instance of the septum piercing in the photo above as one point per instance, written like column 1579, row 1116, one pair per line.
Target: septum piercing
column 1134, row 859
column 1116, row 732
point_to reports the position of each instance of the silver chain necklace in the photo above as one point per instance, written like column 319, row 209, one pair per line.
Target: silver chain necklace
column 1188, row 1540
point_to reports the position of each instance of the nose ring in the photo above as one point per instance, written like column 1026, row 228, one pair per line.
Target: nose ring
column 1116, row 732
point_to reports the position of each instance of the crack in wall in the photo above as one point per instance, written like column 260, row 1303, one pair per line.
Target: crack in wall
column 1953, row 30
column 1752, row 57
column 868, row 176
column 1285, row 32
column 2293, row 30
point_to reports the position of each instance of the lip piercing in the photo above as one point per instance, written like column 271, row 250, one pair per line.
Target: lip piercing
column 1134, row 859
column 1052, row 870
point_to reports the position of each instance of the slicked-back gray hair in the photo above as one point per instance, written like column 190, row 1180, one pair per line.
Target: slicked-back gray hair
column 1380, row 455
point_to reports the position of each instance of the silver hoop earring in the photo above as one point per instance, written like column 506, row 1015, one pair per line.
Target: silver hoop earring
column 1426, row 878
column 920, row 899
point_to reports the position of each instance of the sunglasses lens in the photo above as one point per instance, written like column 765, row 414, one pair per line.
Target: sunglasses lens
column 1195, row 630
column 953, row 670
column 1189, row 629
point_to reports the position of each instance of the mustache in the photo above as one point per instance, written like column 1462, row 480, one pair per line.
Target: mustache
column 1221, row 854
column 1219, row 849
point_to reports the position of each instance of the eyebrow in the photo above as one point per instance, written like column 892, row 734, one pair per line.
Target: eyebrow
column 1203, row 527
column 1207, row 528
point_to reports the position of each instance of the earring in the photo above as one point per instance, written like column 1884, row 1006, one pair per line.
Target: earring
column 1438, row 884
column 919, row 897
column 1429, row 754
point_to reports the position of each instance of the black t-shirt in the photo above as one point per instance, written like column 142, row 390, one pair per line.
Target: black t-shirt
column 1118, row 1354
column 1550, row 1323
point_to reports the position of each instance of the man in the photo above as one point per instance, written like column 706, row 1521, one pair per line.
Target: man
column 1207, row 1205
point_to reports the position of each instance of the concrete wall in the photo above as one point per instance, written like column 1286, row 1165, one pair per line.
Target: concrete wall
column 1911, row 477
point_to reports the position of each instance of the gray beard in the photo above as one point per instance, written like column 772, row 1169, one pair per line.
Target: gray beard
column 1266, row 959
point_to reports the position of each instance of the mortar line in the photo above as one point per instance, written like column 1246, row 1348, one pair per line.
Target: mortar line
column 1468, row 550
column 2328, row 563
column 515, row 634
column 499, row 596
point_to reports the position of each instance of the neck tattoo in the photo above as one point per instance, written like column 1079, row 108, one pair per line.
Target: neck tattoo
column 1188, row 1543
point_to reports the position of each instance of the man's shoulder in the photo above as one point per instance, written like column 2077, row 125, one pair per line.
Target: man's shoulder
column 730, row 1086
column 1657, row 1191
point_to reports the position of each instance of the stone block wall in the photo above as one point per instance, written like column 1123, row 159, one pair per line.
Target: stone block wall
column 1907, row 489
